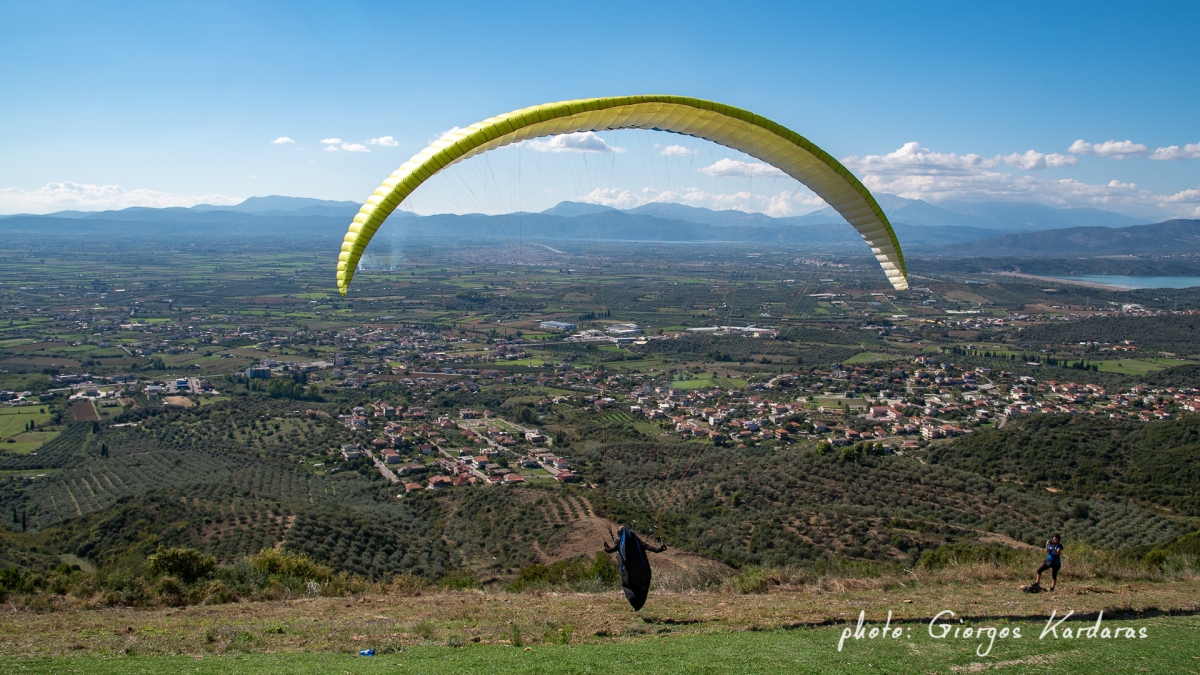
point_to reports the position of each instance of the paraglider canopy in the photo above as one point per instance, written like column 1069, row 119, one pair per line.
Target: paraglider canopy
column 725, row 125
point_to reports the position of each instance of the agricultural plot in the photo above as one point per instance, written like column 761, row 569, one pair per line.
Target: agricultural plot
column 83, row 410
column 709, row 382
column 1139, row 366
column 16, row 420
column 872, row 357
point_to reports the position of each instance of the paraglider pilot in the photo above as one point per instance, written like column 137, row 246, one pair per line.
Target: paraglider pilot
column 635, row 566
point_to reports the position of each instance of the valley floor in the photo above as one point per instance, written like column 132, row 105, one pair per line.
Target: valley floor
column 786, row 630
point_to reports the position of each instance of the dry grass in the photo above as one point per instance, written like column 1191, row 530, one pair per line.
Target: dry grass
column 411, row 616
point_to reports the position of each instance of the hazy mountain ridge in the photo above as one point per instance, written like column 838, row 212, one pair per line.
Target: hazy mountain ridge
column 919, row 225
column 1170, row 237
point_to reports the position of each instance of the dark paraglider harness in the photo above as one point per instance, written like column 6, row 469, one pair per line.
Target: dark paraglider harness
column 634, row 564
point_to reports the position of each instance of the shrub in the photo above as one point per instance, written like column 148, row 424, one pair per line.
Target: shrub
column 751, row 580
column 170, row 592
column 460, row 580
column 186, row 564
column 600, row 571
column 951, row 555
column 289, row 564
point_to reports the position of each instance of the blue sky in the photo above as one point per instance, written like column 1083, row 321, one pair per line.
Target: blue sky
column 122, row 104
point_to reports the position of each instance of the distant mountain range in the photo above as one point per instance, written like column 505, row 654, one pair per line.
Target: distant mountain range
column 1171, row 237
column 956, row 229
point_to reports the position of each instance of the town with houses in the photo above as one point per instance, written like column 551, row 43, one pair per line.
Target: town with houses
column 897, row 406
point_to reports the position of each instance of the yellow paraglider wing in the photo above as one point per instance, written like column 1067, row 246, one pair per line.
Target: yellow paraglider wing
column 725, row 125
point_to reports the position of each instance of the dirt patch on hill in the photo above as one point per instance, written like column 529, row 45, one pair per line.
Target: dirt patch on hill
column 997, row 539
column 180, row 401
column 84, row 411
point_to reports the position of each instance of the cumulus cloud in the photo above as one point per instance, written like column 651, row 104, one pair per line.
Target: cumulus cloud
column 87, row 197
column 385, row 141
column 912, row 159
column 584, row 141
column 735, row 168
column 914, row 172
column 338, row 145
column 1032, row 160
column 1111, row 149
column 677, row 151
column 1186, row 202
column 784, row 203
column 282, row 139
column 1189, row 151
column 451, row 130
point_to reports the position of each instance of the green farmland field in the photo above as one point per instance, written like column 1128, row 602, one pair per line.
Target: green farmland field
column 709, row 382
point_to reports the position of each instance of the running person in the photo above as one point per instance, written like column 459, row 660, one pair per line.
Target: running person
column 635, row 566
column 1054, row 549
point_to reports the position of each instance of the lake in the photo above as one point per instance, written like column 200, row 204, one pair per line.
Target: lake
column 1127, row 282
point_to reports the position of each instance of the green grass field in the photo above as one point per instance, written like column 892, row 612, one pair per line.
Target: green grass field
column 1138, row 366
column 13, row 420
column 529, row 363
column 28, row 442
column 1170, row 646
column 708, row 382
column 873, row 357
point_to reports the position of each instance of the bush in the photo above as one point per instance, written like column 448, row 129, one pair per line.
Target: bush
column 460, row 580
column 217, row 593
column 600, row 572
column 186, row 564
column 751, row 580
column 170, row 592
column 276, row 563
column 1188, row 544
column 952, row 555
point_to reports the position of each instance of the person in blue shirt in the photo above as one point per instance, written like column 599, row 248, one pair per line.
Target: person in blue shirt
column 1054, row 549
column 635, row 566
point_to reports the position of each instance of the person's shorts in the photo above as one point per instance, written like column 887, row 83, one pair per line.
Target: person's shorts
column 1052, row 567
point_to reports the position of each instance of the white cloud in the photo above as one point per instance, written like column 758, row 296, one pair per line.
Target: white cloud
column 1032, row 160
column 69, row 196
column 385, row 141
column 1186, row 202
column 337, row 145
column 282, row 139
column 912, row 159
column 443, row 134
column 918, row 173
column 1080, row 147
column 677, row 151
column 1189, row 151
column 785, row 203
column 584, row 141
column 735, row 168
column 1111, row 149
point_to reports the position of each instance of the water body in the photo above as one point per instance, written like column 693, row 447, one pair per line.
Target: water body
column 1130, row 283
